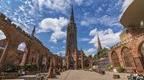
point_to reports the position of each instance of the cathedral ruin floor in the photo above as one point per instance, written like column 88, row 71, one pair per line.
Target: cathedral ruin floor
column 85, row 75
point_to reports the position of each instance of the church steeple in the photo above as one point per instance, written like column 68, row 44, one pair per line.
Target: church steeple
column 72, row 15
column 99, row 43
column 33, row 32
column 71, row 43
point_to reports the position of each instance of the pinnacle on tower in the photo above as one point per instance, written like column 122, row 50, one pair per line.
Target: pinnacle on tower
column 72, row 14
column 99, row 43
column 33, row 32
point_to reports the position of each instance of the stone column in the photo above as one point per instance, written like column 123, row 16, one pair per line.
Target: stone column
column 4, row 55
column 25, row 57
column 10, row 50
column 67, row 62
column 51, row 71
column 82, row 61
column 37, row 61
column 54, row 64
column 75, row 59
column 90, row 61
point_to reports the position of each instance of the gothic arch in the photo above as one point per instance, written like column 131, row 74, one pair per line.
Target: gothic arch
column 141, row 52
column 141, row 49
column 127, row 57
column 2, row 41
column 115, row 59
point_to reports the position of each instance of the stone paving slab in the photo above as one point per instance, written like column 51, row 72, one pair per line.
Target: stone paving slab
column 87, row 75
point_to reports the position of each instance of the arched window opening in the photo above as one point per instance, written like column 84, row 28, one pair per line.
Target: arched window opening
column 115, row 59
column 127, row 57
column 22, row 47
column 142, row 49
column 2, row 41
column 2, row 35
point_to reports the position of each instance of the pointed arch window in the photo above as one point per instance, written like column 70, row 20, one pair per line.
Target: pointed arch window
column 115, row 59
column 142, row 49
column 127, row 57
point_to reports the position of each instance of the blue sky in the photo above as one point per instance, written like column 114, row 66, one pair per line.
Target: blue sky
column 52, row 16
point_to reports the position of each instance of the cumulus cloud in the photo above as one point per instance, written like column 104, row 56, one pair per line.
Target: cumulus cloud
column 107, row 37
column 54, row 25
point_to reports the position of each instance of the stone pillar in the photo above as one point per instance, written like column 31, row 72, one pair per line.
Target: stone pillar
column 54, row 64
column 6, row 57
column 37, row 61
column 75, row 59
column 25, row 57
column 67, row 62
column 23, row 61
column 82, row 61
column 51, row 70
column 90, row 61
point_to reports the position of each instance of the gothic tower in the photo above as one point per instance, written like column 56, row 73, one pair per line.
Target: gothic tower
column 71, row 43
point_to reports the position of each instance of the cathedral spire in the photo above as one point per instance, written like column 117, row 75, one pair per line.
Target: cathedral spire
column 33, row 32
column 72, row 14
column 99, row 43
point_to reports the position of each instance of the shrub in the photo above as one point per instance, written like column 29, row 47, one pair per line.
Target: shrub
column 30, row 67
column 109, row 67
column 120, row 69
column 11, row 68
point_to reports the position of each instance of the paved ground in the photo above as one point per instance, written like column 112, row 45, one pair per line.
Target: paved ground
column 80, row 75
column 87, row 75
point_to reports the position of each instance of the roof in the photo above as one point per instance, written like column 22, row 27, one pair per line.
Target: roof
column 134, row 14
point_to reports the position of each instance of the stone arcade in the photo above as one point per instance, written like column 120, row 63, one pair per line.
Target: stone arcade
column 129, row 53
column 35, row 53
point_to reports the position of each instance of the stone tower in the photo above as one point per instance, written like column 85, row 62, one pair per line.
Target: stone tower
column 71, row 43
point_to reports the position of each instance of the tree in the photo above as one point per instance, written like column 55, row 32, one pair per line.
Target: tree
column 101, row 54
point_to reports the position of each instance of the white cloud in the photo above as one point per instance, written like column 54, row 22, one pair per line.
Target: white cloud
column 108, row 20
column 84, row 23
column 107, row 37
column 61, row 53
column 2, row 35
column 79, row 2
column 57, row 36
column 58, row 5
column 54, row 25
column 84, row 39
column 91, row 51
column 22, row 46
column 104, row 20
column 93, row 32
